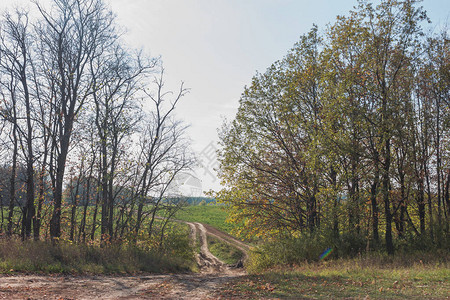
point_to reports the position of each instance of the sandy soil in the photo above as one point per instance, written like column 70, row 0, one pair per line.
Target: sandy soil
column 213, row 274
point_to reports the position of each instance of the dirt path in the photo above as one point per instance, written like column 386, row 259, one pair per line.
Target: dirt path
column 213, row 274
column 228, row 239
column 207, row 262
column 176, row 286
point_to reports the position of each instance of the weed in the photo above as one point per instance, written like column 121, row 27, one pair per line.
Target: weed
column 224, row 251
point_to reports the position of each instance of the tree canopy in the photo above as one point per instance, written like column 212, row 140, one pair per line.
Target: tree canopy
column 346, row 134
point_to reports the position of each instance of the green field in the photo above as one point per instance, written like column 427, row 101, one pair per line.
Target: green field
column 214, row 215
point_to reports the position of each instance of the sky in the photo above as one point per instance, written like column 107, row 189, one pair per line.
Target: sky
column 215, row 47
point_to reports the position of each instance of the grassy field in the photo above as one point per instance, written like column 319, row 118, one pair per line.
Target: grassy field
column 356, row 278
column 214, row 215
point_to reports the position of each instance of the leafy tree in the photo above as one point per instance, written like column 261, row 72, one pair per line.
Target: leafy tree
column 270, row 162
column 343, row 132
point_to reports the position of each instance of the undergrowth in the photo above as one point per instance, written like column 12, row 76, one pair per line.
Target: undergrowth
column 63, row 257
column 314, row 248
column 224, row 251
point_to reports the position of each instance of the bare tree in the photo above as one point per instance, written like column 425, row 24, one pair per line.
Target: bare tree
column 16, row 54
column 60, row 74
column 117, row 76
column 163, row 152
column 72, row 33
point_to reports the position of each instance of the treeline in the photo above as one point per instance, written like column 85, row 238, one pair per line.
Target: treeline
column 89, row 142
column 347, row 135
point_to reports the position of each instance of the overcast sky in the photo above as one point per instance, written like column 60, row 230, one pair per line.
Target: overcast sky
column 216, row 46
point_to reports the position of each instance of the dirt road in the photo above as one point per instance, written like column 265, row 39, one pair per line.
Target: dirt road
column 213, row 274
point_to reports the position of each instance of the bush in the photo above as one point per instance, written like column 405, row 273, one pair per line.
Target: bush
column 307, row 248
column 349, row 245
column 424, row 242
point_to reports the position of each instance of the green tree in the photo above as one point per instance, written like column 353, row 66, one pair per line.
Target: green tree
column 336, row 127
column 270, row 155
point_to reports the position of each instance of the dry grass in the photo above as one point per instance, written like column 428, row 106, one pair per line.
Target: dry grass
column 43, row 257
column 419, row 277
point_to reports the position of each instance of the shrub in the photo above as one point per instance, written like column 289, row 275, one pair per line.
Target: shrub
column 306, row 248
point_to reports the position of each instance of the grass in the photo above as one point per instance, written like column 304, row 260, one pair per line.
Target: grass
column 224, row 251
column 214, row 215
column 43, row 257
column 352, row 278
column 174, row 254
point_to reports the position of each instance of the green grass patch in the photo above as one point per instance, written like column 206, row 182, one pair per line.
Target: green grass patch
column 224, row 251
column 351, row 278
column 214, row 215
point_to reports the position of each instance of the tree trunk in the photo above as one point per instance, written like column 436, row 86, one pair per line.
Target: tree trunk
column 438, row 158
column 387, row 204
column 74, row 206
column 12, row 182
column 421, row 204
column 373, row 200
column 447, row 201
column 55, row 222
column 37, row 221
column 333, row 176
column 430, row 208
column 105, row 206
column 87, row 199
column 139, row 216
column 94, row 217
column 30, row 209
